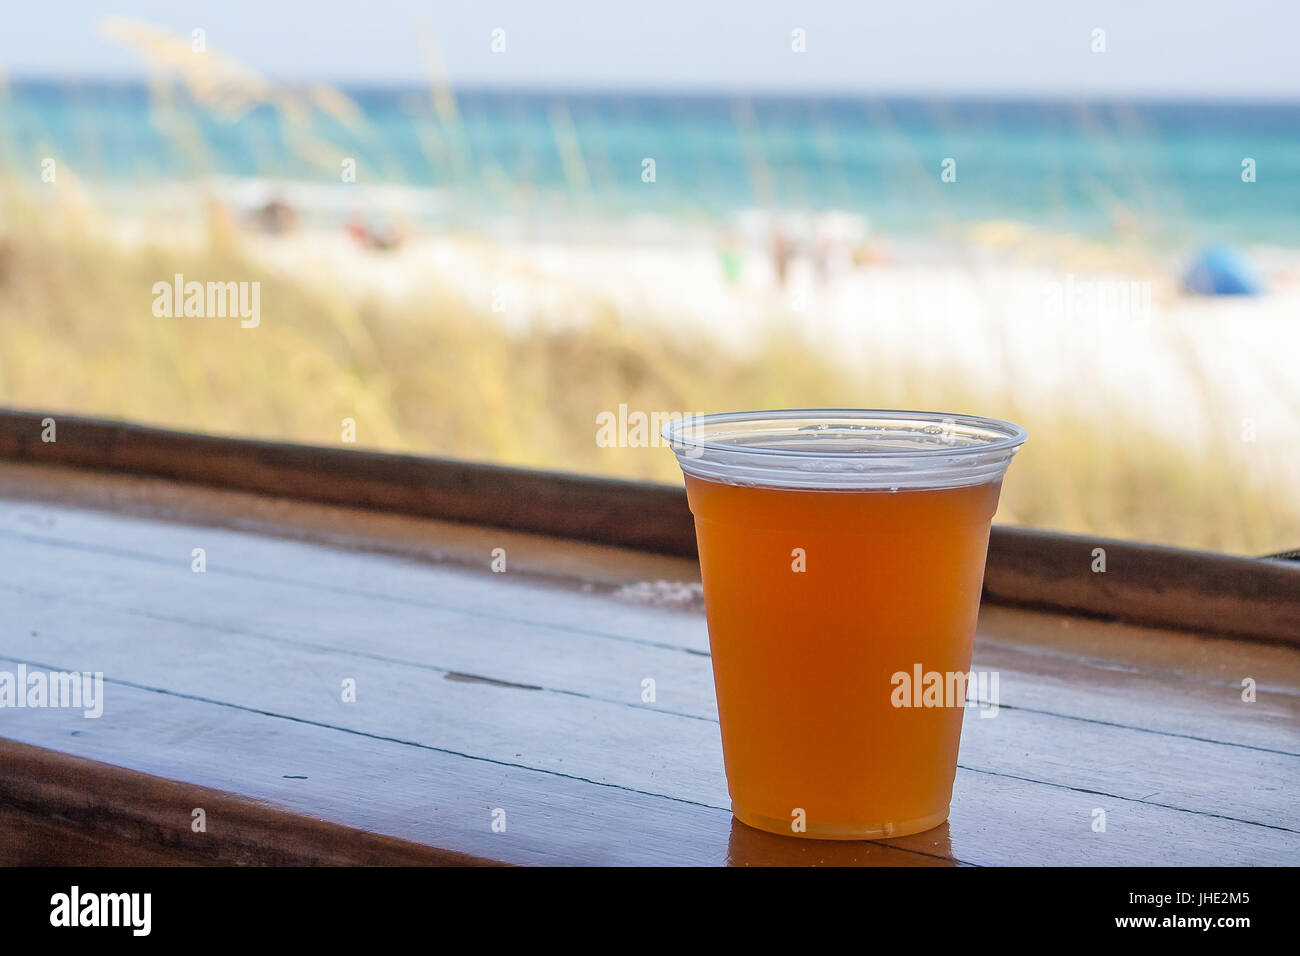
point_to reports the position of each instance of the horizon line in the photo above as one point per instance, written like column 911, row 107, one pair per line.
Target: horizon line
column 991, row 95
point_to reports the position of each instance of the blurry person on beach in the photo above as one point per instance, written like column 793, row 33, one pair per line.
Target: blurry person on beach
column 276, row 218
column 782, row 253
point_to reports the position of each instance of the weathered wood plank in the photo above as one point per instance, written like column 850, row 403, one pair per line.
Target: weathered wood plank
column 612, row 741
column 382, row 786
column 445, row 800
column 255, row 621
column 626, row 513
column 1144, row 584
column 315, row 572
column 424, row 540
column 1155, row 733
column 1053, row 664
column 405, row 582
column 1156, row 681
column 56, row 809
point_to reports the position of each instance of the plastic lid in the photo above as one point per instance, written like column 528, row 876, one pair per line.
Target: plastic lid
column 844, row 449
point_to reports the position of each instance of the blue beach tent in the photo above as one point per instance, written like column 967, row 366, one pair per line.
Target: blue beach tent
column 1220, row 270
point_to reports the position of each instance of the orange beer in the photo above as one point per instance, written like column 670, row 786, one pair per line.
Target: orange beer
column 829, row 585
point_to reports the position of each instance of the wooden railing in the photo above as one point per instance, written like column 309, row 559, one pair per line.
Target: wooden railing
column 1145, row 584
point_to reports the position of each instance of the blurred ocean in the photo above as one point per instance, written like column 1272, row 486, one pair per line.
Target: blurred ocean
column 1169, row 174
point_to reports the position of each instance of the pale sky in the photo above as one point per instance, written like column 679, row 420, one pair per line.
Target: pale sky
column 1154, row 48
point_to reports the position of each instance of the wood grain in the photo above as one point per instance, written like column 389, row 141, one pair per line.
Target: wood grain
column 1144, row 584
column 445, row 624
column 445, row 800
column 60, row 810
column 428, row 796
column 626, row 513
column 479, row 691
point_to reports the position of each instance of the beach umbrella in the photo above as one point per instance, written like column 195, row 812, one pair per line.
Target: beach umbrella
column 1221, row 270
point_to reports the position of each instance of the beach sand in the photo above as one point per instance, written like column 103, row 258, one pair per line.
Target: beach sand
column 1212, row 372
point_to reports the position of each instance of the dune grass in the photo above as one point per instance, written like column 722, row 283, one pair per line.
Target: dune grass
column 433, row 375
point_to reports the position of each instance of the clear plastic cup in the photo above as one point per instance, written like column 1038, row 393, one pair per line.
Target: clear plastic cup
column 842, row 553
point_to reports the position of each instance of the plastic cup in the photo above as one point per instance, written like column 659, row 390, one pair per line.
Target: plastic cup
column 842, row 553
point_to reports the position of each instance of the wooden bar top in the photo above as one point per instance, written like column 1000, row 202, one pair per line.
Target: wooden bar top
column 515, row 697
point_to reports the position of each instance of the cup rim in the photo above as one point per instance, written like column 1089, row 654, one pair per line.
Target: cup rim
column 1012, row 435
column 934, row 450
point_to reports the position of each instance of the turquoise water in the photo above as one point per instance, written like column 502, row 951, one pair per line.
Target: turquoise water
column 1172, row 170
